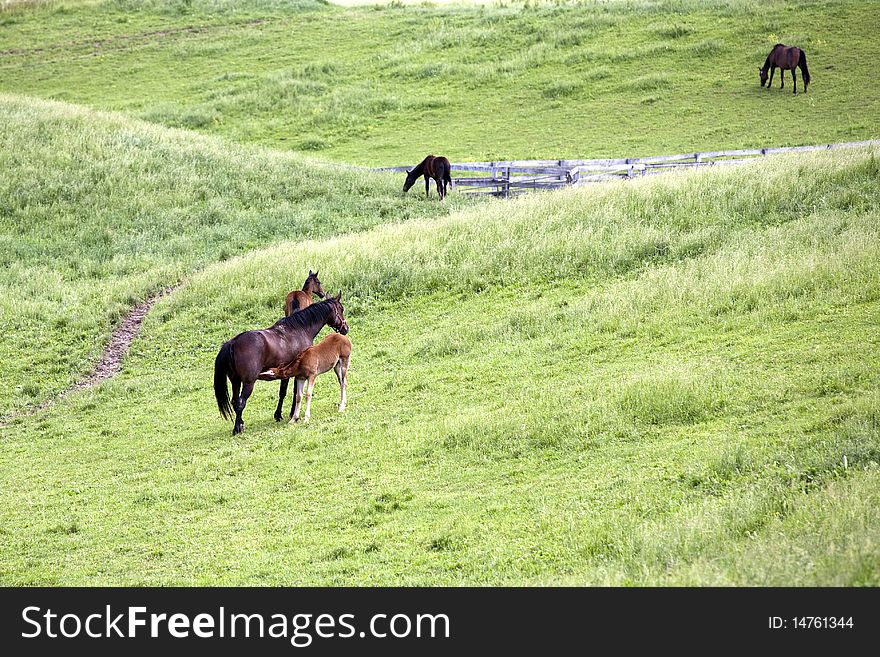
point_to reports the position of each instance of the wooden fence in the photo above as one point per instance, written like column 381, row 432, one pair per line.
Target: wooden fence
column 506, row 178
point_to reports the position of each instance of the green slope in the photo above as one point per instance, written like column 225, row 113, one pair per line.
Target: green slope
column 642, row 383
column 99, row 210
column 386, row 85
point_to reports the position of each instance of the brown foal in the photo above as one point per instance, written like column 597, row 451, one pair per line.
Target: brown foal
column 331, row 353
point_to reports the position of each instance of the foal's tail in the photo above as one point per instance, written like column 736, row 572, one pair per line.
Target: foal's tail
column 803, row 64
column 222, row 366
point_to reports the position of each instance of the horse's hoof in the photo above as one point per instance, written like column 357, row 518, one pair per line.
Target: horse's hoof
column 293, row 420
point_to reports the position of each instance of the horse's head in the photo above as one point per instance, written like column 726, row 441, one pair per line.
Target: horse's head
column 763, row 73
column 411, row 178
column 337, row 315
column 313, row 285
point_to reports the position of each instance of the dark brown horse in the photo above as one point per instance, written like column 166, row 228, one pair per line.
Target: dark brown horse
column 245, row 356
column 299, row 299
column 786, row 58
column 437, row 168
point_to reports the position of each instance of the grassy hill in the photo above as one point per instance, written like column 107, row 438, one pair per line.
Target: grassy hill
column 672, row 380
column 98, row 210
column 386, row 85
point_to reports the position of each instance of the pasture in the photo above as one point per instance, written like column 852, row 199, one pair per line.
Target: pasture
column 659, row 386
column 671, row 380
column 99, row 211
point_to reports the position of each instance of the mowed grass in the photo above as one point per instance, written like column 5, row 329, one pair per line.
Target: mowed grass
column 97, row 211
column 673, row 381
column 388, row 84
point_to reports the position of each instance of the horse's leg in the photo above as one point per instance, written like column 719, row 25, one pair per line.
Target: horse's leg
column 794, row 77
column 246, row 390
column 236, row 390
column 236, row 393
column 282, row 393
column 427, row 186
column 772, row 71
column 442, row 187
column 309, row 387
column 781, row 78
column 297, row 399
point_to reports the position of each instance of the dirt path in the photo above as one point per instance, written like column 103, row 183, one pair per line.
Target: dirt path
column 111, row 360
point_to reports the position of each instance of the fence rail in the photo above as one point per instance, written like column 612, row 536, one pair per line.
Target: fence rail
column 509, row 177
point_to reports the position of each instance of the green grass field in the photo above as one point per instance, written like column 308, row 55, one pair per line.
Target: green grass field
column 388, row 84
column 672, row 380
column 99, row 211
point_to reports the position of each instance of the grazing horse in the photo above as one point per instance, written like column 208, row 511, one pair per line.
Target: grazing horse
column 787, row 58
column 242, row 358
column 332, row 353
column 437, row 168
column 299, row 299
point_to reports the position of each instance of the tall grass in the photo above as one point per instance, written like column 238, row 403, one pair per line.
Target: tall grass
column 667, row 229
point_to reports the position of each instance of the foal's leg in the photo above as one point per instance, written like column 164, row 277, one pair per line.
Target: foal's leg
column 309, row 387
column 282, row 393
column 341, row 370
column 297, row 399
column 246, row 390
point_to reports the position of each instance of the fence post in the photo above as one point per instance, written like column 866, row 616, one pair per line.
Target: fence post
column 506, row 182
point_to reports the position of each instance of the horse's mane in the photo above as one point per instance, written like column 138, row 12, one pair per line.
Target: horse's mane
column 418, row 169
column 305, row 317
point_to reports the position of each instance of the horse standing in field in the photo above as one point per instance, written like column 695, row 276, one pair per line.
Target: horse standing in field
column 333, row 352
column 437, row 168
column 299, row 299
column 786, row 58
column 245, row 356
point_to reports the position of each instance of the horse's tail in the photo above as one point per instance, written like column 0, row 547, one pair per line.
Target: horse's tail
column 222, row 367
column 803, row 64
column 447, row 172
